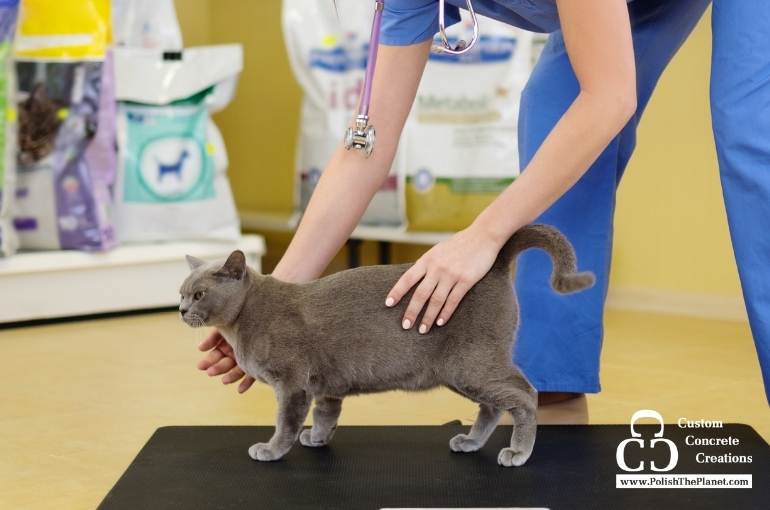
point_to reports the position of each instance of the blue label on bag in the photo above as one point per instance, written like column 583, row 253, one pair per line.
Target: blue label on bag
column 340, row 59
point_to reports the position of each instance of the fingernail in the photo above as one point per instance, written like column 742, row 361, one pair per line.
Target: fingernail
column 440, row 322
column 406, row 324
column 390, row 301
column 423, row 329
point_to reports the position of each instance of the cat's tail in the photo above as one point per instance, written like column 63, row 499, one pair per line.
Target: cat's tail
column 564, row 278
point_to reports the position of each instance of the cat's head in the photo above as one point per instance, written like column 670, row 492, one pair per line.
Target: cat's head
column 213, row 293
column 38, row 125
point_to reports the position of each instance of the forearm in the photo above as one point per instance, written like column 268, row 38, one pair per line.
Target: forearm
column 349, row 181
column 597, row 34
column 573, row 145
column 339, row 200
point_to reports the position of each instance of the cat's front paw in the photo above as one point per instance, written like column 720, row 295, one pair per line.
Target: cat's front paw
column 463, row 443
column 306, row 438
column 263, row 452
column 509, row 457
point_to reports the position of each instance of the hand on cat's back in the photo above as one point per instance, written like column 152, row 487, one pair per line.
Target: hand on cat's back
column 221, row 360
column 443, row 276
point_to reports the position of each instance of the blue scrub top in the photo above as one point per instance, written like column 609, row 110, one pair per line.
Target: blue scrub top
column 407, row 22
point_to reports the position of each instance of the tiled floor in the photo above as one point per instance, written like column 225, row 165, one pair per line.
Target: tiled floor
column 79, row 400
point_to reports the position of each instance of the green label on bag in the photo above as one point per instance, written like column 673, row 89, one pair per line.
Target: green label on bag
column 476, row 185
column 447, row 204
column 165, row 157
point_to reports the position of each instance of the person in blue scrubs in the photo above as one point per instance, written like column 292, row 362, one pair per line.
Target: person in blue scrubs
column 577, row 131
column 560, row 338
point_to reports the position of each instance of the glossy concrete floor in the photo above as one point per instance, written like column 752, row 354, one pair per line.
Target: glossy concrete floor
column 78, row 400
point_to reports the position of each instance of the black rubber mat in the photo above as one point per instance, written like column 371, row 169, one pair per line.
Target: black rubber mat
column 572, row 467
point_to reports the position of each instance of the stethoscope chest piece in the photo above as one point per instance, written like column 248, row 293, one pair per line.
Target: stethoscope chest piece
column 362, row 137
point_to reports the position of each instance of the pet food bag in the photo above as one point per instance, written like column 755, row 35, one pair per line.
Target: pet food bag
column 66, row 115
column 148, row 24
column 460, row 146
column 172, row 182
column 328, row 54
column 9, row 241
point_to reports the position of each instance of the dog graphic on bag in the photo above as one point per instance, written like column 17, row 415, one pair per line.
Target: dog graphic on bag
column 175, row 168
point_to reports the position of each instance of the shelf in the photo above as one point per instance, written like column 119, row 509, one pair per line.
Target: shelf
column 279, row 222
column 45, row 285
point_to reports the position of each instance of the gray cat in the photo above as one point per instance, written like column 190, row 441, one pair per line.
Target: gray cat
column 334, row 337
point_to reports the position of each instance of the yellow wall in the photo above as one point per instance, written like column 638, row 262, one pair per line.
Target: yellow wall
column 194, row 19
column 671, row 231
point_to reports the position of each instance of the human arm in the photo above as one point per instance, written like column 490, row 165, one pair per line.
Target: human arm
column 598, row 39
column 349, row 181
column 344, row 190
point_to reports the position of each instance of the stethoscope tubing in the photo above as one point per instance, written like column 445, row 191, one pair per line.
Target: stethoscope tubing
column 371, row 61
column 363, row 137
column 374, row 45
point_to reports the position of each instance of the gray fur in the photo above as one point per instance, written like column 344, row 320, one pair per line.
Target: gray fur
column 335, row 337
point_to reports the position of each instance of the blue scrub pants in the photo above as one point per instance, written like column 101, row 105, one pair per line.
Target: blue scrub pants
column 559, row 340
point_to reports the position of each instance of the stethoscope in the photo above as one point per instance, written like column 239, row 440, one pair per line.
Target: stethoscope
column 363, row 136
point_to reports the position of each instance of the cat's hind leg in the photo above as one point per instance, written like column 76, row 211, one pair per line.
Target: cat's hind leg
column 485, row 424
column 293, row 407
column 506, row 389
column 523, row 438
column 325, row 414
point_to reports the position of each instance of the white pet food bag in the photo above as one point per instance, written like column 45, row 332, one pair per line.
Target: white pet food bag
column 150, row 24
column 9, row 241
column 172, row 182
column 328, row 56
column 460, row 148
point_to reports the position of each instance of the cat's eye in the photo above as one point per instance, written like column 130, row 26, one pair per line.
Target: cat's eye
column 199, row 295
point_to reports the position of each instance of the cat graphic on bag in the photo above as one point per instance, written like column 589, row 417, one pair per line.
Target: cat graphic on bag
column 39, row 123
column 334, row 337
column 175, row 168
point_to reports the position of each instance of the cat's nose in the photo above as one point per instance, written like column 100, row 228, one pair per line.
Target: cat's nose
column 182, row 311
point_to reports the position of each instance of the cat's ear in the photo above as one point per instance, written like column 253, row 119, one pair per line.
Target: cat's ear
column 194, row 263
column 38, row 91
column 234, row 268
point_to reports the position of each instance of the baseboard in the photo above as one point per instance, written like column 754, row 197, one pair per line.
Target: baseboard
column 692, row 304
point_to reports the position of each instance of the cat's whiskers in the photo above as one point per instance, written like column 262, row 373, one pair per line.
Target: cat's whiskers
column 195, row 322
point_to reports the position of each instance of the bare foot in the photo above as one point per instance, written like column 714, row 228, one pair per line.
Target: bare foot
column 545, row 398
column 569, row 409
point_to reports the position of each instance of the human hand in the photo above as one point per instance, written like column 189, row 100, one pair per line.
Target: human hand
column 448, row 271
column 221, row 360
